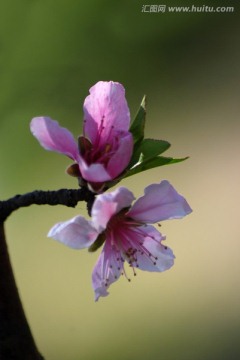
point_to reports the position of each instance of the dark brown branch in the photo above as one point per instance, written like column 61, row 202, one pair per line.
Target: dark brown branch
column 16, row 341
column 60, row 197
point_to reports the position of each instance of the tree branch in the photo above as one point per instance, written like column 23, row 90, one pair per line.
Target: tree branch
column 65, row 197
column 16, row 340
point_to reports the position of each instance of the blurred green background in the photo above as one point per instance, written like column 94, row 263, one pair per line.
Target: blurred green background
column 51, row 53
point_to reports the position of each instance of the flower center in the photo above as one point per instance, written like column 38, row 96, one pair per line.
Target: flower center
column 98, row 154
column 125, row 240
column 117, row 220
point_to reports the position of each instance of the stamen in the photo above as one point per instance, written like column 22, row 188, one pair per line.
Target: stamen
column 99, row 132
column 120, row 248
column 107, row 148
column 99, row 155
column 110, row 133
column 141, row 233
column 136, row 245
column 134, row 272
column 125, row 274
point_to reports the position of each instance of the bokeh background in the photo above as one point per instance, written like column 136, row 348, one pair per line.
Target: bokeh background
column 51, row 53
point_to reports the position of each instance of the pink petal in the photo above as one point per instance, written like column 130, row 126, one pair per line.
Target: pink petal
column 105, row 272
column 54, row 137
column 94, row 172
column 104, row 109
column 159, row 202
column 161, row 258
column 122, row 156
column 76, row 233
column 109, row 204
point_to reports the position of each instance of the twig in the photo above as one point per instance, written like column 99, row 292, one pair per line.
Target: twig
column 65, row 197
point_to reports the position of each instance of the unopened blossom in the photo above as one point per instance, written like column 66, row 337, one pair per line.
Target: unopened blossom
column 125, row 232
column 105, row 148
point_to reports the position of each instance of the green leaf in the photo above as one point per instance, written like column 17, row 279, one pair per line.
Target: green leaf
column 151, row 147
column 148, row 149
column 97, row 243
column 152, row 163
column 138, row 124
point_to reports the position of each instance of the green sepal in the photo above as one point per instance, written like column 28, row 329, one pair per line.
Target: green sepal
column 148, row 149
column 152, row 163
column 97, row 243
column 138, row 124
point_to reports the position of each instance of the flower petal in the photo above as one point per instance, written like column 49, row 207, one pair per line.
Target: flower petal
column 94, row 172
column 76, row 233
column 161, row 257
column 109, row 204
column 54, row 137
column 122, row 156
column 105, row 272
column 104, row 109
column 159, row 202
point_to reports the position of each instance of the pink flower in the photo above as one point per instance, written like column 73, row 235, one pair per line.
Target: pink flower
column 105, row 148
column 125, row 232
